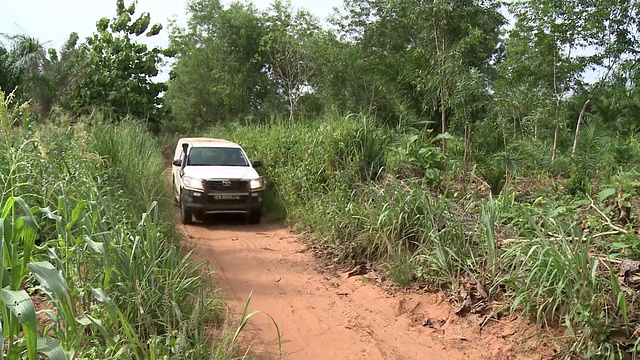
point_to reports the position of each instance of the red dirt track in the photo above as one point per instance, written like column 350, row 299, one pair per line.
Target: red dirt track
column 323, row 316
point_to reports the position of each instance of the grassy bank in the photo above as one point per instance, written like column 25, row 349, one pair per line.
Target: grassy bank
column 91, row 266
column 548, row 244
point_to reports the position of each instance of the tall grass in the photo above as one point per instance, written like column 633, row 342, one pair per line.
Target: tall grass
column 86, row 225
column 394, row 199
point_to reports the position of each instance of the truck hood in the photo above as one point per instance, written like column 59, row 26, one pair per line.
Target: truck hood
column 221, row 172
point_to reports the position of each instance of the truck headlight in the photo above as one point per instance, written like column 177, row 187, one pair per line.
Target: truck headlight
column 193, row 183
column 257, row 184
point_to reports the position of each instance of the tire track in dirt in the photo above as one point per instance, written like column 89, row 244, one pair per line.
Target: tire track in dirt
column 328, row 317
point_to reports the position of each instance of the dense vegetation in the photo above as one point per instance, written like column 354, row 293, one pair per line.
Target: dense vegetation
column 91, row 266
column 90, row 261
column 437, row 140
column 441, row 144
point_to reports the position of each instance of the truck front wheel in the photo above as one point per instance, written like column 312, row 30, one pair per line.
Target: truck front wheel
column 176, row 194
column 185, row 215
column 255, row 216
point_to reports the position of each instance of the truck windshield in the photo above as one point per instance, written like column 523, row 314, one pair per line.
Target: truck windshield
column 216, row 156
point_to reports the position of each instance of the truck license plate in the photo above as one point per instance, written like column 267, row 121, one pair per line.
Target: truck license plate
column 226, row 197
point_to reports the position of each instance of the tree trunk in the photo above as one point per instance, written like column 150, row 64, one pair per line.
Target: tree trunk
column 468, row 154
column 557, row 96
column 291, row 105
column 467, row 149
column 371, row 99
column 443, row 116
column 555, row 144
column 506, row 153
column 443, row 122
column 580, row 117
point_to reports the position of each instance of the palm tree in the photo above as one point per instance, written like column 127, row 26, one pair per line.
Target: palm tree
column 44, row 74
column 9, row 80
column 23, row 59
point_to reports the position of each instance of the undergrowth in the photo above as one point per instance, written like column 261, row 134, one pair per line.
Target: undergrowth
column 516, row 233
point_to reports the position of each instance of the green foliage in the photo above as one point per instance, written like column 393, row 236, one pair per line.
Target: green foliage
column 415, row 154
column 510, row 102
column 288, row 44
column 86, row 228
column 219, row 68
column 494, row 172
column 118, row 71
column 333, row 179
column 530, row 249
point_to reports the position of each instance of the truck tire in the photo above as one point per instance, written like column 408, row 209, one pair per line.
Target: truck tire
column 176, row 197
column 199, row 216
column 255, row 217
column 185, row 216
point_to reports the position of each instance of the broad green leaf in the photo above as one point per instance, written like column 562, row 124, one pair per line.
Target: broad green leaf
column 606, row 193
column 49, row 277
column 51, row 349
column 27, row 231
column 102, row 297
column 583, row 202
column 80, row 206
column 8, row 206
column 620, row 245
column 1, row 340
column 446, row 136
column 22, row 307
column 98, row 247
column 3, row 269
column 86, row 320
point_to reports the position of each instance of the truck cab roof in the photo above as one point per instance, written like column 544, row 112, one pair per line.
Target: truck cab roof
column 206, row 142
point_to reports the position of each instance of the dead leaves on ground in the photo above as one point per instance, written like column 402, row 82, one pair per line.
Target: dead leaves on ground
column 473, row 297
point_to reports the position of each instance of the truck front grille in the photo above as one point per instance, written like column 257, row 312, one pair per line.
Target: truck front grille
column 227, row 185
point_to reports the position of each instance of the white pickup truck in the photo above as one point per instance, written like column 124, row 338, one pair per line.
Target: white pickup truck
column 212, row 176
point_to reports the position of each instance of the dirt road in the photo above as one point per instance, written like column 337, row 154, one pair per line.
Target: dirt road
column 324, row 316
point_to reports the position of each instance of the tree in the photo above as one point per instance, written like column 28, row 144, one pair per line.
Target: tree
column 119, row 71
column 61, row 74
column 339, row 82
column 8, row 79
column 22, row 61
column 40, row 74
column 426, row 56
column 556, row 30
column 219, row 72
column 288, row 44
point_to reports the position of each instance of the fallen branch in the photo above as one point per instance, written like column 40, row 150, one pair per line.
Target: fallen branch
column 607, row 233
column 577, row 133
column 606, row 218
column 559, row 237
column 605, row 259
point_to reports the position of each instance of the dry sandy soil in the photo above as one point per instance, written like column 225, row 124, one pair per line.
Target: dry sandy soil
column 324, row 315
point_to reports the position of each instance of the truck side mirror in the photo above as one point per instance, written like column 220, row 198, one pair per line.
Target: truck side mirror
column 256, row 163
column 177, row 162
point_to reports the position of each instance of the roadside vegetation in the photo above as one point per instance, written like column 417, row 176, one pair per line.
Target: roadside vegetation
column 438, row 142
column 91, row 263
column 442, row 146
column 541, row 245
